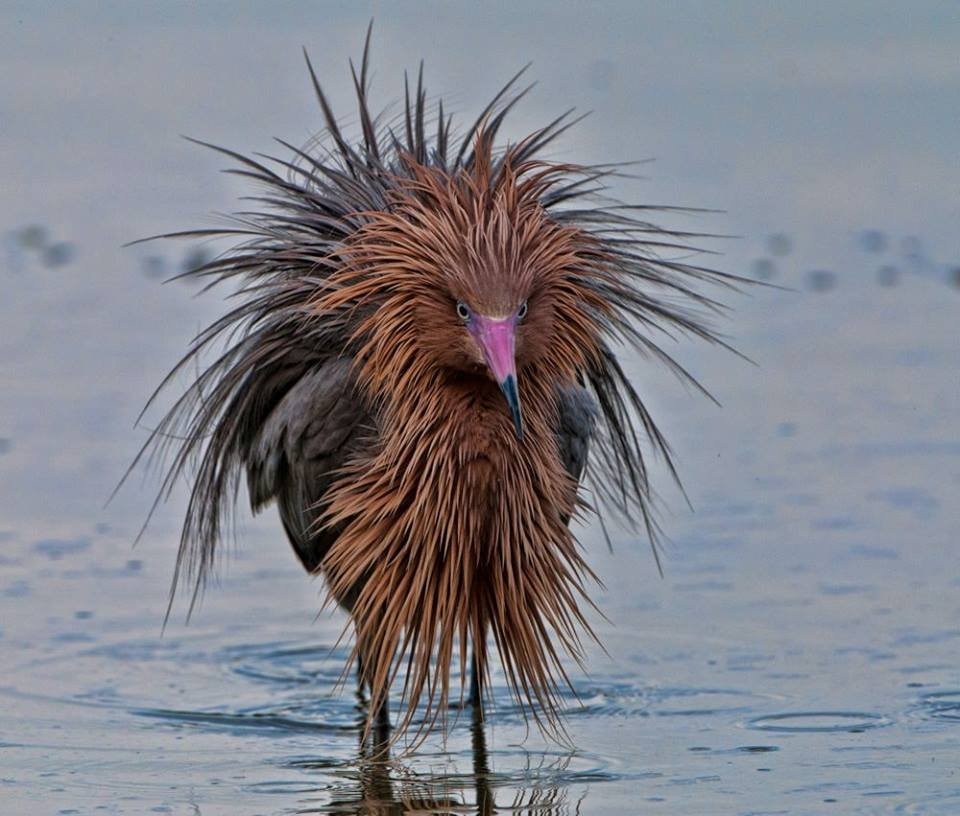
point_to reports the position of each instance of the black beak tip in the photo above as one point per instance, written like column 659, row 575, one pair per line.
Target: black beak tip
column 509, row 388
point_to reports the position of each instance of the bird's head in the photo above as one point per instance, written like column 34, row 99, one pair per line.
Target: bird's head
column 466, row 275
column 494, row 336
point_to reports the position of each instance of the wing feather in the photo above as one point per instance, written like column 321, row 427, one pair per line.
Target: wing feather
column 577, row 411
column 294, row 457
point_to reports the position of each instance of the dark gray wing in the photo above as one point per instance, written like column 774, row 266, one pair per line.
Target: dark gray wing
column 578, row 417
column 303, row 441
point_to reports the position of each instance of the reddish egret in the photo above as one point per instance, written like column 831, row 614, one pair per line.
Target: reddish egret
column 420, row 371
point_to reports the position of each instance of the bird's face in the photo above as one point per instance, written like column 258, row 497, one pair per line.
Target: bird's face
column 494, row 338
column 470, row 280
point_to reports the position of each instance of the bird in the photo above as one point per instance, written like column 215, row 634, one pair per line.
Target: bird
column 423, row 371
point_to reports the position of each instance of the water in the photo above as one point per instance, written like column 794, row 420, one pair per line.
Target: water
column 800, row 655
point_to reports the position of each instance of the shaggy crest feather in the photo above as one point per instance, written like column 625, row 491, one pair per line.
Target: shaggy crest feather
column 447, row 527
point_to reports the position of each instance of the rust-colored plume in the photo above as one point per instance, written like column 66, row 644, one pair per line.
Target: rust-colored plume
column 421, row 360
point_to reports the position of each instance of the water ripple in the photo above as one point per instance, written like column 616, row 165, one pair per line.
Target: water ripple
column 254, row 720
column 802, row 722
column 940, row 705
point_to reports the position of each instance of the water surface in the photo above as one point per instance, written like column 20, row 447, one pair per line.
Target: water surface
column 800, row 654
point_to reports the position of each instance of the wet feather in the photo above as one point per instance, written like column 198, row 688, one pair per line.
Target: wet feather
column 436, row 532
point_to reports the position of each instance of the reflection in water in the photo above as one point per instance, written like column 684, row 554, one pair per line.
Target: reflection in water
column 379, row 784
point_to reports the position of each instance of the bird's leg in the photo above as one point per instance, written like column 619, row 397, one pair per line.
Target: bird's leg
column 360, row 675
column 474, row 682
column 476, row 687
column 381, row 719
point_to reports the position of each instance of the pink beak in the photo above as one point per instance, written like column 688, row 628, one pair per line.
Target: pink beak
column 497, row 339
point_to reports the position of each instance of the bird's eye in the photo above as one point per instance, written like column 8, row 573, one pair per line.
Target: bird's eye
column 522, row 311
column 463, row 311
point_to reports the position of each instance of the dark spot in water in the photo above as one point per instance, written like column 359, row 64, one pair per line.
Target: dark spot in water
column 926, row 668
column 59, row 254
column 286, row 787
column 838, row 590
column 786, row 429
column 919, row 501
column 818, row 722
column 911, row 247
column 874, row 552
column 311, row 763
column 926, row 638
column 888, row 275
column 196, row 258
column 694, row 780
column 73, row 637
column 83, row 614
column 758, row 749
column 834, row 523
column 154, row 266
column 779, row 244
column 873, row 240
column 57, row 548
column 134, row 565
column 954, row 276
column 748, row 662
column 17, row 589
column 5, row 445
column 101, row 528
column 763, row 269
column 821, row 280
column 33, row 237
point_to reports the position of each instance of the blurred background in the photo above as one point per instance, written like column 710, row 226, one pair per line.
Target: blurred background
column 800, row 654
